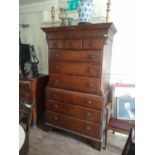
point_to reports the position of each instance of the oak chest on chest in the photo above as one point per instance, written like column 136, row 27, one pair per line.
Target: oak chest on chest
column 78, row 87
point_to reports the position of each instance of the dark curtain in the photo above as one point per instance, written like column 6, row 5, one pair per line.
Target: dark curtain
column 24, row 55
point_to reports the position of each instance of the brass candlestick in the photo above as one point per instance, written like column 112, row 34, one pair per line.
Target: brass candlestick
column 108, row 10
column 53, row 15
column 63, row 16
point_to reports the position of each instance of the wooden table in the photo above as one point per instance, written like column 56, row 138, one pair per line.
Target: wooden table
column 32, row 90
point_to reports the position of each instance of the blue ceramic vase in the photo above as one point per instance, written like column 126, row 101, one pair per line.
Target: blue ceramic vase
column 85, row 11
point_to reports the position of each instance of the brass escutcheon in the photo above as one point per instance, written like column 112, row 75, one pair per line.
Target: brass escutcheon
column 89, row 102
column 88, row 114
column 91, row 56
column 88, row 128
column 55, row 118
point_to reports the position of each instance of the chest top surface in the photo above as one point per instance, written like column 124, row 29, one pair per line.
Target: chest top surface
column 109, row 26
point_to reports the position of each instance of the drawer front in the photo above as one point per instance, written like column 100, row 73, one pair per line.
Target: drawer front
column 24, row 96
column 74, row 98
column 58, row 44
column 71, row 68
column 76, row 83
column 76, row 56
column 92, row 44
column 25, row 90
column 78, row 34
column 24, row 85
column 65, row 35
column 75, row 111
column 72, row 44
column 95, row 34
column 85, row 128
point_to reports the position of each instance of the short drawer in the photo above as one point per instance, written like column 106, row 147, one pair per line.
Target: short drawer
column 25, row 85
column 75, row 68
column 76, row 83
column 76, row 56
column 75, row 111
column 72, row 44
column 93, row 43
column 64, row 35
column 66, row 122
column 95, row 34
column 57, row 44
column 74, row 98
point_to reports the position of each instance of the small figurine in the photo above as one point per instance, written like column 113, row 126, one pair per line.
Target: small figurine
column 34, row 62
column 53, row 15
column 28, row 69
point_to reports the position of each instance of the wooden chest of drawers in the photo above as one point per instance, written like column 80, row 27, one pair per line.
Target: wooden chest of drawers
column 79, row 66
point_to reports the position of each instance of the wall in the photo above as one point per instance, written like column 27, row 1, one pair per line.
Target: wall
column 123, row 56
column 37, row 15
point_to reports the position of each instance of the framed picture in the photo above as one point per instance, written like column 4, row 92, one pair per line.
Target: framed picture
column 125, row 108
column 72, row 5
column 123, row 91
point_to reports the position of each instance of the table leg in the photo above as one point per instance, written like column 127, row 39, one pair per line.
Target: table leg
column 34, row 116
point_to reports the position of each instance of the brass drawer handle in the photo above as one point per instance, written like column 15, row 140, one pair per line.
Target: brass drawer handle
column 55, row 106
column 55, row 96
column 91, row 56
column 56, row 55
column 88, row 114
column 57, row 81
column 89, row 85
column 89, row 102
column 56, row 45
column 57, row 68
column 55, row 118
column 90, row 70
column 88, row 128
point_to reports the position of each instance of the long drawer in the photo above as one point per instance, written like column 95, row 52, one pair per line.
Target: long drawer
column 75, row 98
column 76, row 125
column 64, row 35
column 74, row 68
column 76, row 83
column 76, row 56
column 75, row 111
column 77, row 34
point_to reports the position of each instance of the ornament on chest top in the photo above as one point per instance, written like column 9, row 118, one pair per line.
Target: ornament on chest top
column 53, row 15
column 63, row 13
column 85, row 11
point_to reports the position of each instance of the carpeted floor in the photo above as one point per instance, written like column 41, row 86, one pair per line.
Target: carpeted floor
column 57, row 142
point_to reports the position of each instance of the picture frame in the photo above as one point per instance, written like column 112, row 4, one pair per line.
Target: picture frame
column 72, row 5
column 121, row 90
column 125, row 108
